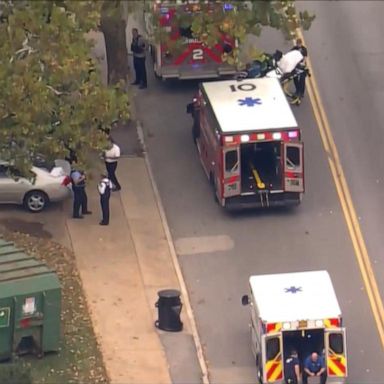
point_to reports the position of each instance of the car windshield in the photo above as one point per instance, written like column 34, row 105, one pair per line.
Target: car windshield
column 40, row 162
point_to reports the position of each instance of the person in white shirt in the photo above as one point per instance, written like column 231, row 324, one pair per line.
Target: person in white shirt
column 104, row 187
column 111, row 156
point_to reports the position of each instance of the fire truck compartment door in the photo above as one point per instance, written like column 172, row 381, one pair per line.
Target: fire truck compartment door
column 336, row 352
column 231, row 161
column 293, row 167
column 272, row 358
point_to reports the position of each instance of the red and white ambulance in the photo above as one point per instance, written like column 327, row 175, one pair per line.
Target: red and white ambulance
column 180, row 55
column 249, row 143
column 295, row 311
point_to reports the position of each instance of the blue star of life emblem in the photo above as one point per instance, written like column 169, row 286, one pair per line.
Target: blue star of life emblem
column 249, row 101
column 293, row 289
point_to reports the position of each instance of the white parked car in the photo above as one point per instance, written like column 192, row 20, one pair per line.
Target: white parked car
column 46, row 185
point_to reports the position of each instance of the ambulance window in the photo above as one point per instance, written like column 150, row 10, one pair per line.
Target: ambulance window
column 273, row 348
column 293, row 157
column 336, row 343
column 231, row 161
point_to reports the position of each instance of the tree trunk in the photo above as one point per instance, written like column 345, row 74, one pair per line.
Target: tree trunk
column 113, row 28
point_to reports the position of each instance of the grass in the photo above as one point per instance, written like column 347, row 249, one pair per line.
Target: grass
column 79, row 359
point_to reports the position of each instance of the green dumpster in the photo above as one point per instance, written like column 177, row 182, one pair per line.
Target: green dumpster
column 30, row 304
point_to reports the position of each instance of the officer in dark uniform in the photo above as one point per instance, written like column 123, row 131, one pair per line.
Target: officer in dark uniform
column 104, row 187
column 138, row 48
column 292, row 368
column 80, row 199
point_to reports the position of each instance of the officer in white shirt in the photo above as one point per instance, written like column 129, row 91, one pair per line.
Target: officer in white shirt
column 104, row 187
column 111, row 156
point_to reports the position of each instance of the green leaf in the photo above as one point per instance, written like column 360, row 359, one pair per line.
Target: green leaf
column 51, row 95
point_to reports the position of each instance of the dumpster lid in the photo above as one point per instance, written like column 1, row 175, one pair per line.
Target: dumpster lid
column 23, row 274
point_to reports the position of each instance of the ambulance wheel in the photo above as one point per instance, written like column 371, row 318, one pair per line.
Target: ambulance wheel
column 195, row 130
column 260, row 376
column 259, row 369
column 212, row 179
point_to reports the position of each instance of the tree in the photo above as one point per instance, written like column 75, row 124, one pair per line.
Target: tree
column 236, row 19
column 113, row 24
column 51, row 95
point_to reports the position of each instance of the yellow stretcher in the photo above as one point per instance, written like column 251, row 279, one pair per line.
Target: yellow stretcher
column 259, row 182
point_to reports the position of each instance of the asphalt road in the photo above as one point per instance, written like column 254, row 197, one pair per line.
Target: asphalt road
column 219, row 251
column 348, row 57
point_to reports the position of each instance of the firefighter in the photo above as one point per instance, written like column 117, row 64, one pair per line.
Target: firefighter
column 299, row 80
column 292, row 368
column 138, row 48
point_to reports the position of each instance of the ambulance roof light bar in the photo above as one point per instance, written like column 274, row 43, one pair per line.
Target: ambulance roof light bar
column 303, row 324
column 276, row 136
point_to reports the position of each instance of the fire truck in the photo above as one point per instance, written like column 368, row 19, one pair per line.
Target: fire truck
column 249, row 143
column 296, row 311
column 180, row 55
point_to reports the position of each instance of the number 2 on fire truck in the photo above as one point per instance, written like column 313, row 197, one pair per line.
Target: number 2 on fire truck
column 197, row 54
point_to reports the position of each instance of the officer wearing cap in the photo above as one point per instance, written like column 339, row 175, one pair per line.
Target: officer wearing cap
column 104, row 187
column 292, row 368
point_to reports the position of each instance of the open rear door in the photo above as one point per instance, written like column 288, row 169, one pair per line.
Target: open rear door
column 232, row 180
column 293, row 175
column 336, row 353
column 272, row 358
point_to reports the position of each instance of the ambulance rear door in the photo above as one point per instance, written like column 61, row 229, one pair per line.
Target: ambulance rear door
column 293, row 175
column 232, row 180
column 336, row 353
column 272, row 358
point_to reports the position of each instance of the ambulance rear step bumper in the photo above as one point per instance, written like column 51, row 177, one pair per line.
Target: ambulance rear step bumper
column 285, row 199
column 336, row 380
column 188, row 73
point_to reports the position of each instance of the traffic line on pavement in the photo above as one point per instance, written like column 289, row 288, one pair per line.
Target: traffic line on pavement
column 345, row 198
column 203, row 244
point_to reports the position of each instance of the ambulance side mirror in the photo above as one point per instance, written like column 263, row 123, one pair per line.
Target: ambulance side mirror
column 245, row 300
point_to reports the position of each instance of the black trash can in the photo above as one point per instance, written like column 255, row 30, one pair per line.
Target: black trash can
column 169, row 308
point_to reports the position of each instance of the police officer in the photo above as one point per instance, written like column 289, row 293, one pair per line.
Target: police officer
column 292, row 368
column 80, row 199
column 104, row 187
column 111, row 157
column 138, row 48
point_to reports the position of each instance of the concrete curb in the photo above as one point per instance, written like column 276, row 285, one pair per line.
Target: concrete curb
column 183, row 288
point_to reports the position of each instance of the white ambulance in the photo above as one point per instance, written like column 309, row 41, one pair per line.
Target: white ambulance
column 295, row 311
column 249, row 143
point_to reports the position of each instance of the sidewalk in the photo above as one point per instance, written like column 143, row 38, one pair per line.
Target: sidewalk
column 122, row 268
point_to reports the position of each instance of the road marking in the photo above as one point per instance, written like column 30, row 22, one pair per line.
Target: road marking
column 203, row 244
column 349, row 211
